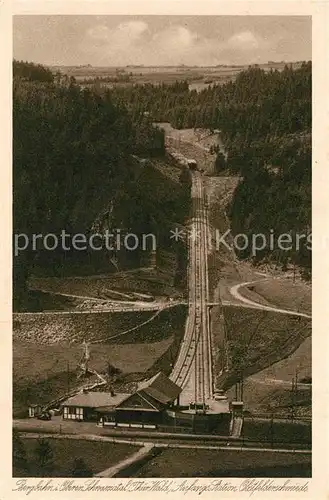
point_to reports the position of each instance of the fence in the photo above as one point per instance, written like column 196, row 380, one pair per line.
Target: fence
column 273, row 432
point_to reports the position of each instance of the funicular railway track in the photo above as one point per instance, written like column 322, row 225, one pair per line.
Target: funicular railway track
column 193, row 370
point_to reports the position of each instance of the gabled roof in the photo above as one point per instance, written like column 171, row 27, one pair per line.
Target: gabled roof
column 95, row 399
column 140, row 401
column 160, row 388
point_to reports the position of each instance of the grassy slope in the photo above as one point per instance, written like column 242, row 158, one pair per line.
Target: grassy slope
column 96, row 455
column 222, row 463
column 270, row 389
column 277, row 432
column 278, row 346
column 153, row 346
column 40, row 369
column 157, row 282
column 70, row 328
column 222, row 265
column 258, row 339
column 99, row 327
column 284, row 293
column 47, row 378
column 278, row 335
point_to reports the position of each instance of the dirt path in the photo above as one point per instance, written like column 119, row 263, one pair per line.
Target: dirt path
column 135, row 458
column 235, row 292
column 107, row 305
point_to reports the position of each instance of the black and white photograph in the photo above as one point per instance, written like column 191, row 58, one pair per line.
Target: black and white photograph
column 162, row 249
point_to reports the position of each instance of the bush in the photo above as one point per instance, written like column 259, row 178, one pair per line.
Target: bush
column 80, row 468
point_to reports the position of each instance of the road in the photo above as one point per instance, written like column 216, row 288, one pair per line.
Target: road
column 235, row 292
column 193, row 368
column 102, row 306
column 61, row 429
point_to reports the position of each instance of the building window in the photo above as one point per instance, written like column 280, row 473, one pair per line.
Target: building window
column 73, row 413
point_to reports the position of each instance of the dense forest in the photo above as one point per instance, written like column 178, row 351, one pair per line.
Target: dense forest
column 76, row 159
column 264, row 119
column 76, row 168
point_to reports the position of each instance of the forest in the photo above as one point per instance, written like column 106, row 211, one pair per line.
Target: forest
column 75, row 159
column 76, row 168
column 264, row 120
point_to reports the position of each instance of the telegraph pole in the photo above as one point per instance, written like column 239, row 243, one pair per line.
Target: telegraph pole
column 68, row 377
column 292, row 398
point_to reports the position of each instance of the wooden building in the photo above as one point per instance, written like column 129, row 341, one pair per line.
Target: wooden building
column 146, row 408
column 83, row 406
column 35, row 410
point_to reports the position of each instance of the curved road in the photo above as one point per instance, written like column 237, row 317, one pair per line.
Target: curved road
column 234, row 290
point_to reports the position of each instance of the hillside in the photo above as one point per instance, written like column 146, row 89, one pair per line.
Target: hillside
column 76, row 159
column 264, row 121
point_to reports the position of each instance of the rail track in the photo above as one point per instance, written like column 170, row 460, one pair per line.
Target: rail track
column 193, row 369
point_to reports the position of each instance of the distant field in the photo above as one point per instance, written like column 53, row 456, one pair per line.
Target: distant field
column 225, row 463
column 97, row 456
column 198, row 77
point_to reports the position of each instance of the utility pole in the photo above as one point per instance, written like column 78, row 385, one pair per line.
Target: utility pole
column 226, row 353
column 296, row 388
column 68, row 377
column 195, row 375
column 292, row 398
column 241, row 386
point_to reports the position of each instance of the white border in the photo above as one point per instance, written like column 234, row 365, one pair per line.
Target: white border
column 319, row 12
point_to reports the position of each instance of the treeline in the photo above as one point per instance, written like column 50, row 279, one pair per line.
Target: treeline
column 264, row 119
column 75, row 161
column 32, row 72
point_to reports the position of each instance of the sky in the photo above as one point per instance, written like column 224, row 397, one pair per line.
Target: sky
column 161, row 40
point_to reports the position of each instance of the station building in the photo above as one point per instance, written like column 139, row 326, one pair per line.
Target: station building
column 84, row 405
column 154, row 405
column 146, row 407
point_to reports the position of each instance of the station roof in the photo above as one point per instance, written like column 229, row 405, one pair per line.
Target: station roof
column 160, row 388
column 95, row 399
column 157, row 391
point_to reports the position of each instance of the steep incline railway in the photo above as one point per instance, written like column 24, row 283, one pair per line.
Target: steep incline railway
column 193, row 369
